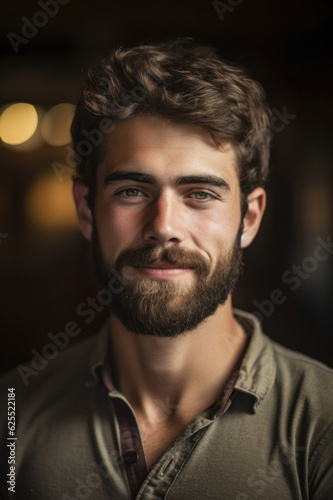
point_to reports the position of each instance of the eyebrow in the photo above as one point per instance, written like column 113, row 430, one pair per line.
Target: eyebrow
column 213, row 180
column 125, row 176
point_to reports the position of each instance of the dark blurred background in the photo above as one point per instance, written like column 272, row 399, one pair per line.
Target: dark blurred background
column 44, row 262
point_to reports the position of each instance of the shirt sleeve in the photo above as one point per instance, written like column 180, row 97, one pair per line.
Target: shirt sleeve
column 321, row 478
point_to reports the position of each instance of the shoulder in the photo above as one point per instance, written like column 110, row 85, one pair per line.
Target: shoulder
column 290, row 378
column 304, row 390
column 302, row 397
column 289, row 400
column 43, row 379
column 265, row 355
column 302, row 371
column 304, row 386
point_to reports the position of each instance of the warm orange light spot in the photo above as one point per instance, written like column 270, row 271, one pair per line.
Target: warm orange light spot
column 55, row 127
column 18, row 122
column 50, row 203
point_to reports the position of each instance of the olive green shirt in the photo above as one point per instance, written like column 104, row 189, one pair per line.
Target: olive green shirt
column 273, row 439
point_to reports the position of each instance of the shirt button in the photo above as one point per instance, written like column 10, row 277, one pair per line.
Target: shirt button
column 131, row 457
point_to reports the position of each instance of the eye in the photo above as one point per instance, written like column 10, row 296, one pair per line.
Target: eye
column 201, row 195
column 130, row 193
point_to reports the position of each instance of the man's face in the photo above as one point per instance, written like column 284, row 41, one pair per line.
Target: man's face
column 167, row 216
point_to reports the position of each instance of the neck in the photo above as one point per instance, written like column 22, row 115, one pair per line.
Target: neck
column 178, row 376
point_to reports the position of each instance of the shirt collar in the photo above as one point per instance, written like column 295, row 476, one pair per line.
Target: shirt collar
column 255, row 377
column 258, row 369
column 99, row 355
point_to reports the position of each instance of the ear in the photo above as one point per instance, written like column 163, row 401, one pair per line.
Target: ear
column 256, row 206
column 80, row 192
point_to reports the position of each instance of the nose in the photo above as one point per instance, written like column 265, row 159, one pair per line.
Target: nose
column 163, row 220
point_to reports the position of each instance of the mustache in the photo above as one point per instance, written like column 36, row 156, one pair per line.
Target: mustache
column 149, row 254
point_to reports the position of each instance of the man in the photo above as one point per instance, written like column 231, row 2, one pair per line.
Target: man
column 180, row 396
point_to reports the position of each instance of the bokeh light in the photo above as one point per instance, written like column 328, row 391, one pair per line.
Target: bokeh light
column 55, row 127
column 18, row 122
column 50, row 203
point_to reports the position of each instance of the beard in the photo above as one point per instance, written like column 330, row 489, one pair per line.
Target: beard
column 168, row 307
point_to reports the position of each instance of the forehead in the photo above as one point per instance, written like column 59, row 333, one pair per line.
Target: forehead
column 164, row 148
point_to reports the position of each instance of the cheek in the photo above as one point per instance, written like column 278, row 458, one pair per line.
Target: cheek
column 117, row 230
column 216, row 231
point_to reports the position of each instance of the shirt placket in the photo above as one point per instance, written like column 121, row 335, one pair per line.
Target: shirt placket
column 165, row 471
column 131, row 445
column 154, row 485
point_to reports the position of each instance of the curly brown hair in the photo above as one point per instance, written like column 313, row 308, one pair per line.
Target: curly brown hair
column 181, row 81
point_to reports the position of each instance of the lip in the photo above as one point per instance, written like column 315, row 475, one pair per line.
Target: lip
column 164, row 265
column 160, row 270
